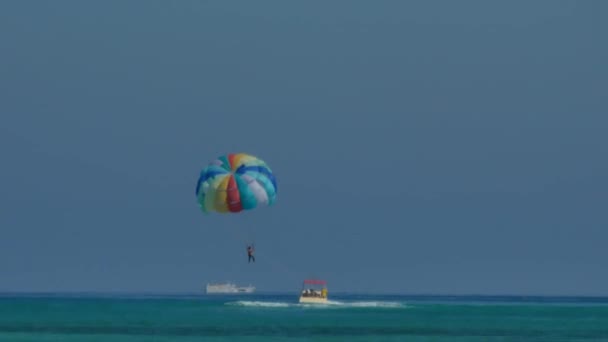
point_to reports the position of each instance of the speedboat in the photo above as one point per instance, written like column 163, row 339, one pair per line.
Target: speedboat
column 314, row 291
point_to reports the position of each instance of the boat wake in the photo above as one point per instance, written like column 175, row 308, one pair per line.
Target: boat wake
column 329, row 304
column 261, row 304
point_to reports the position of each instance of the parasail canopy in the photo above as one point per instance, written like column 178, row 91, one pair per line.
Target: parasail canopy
column 235, row 182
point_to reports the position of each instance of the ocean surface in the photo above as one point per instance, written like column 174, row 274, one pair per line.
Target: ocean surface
column 278, row 317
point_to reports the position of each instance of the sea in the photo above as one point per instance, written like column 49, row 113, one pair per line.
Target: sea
column 278, row 317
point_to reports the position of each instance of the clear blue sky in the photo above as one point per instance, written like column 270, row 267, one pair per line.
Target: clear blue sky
column 419, row 146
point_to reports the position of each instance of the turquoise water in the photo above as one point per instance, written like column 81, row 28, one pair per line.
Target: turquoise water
column 279, row 318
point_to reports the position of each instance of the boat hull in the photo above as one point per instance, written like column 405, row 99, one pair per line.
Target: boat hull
column 312, row 300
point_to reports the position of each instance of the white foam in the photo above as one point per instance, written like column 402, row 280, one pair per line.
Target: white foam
column 328, row 304
column 374, row 304
column 370, row 304
column 260, row 304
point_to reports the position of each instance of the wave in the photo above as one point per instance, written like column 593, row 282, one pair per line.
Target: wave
column 370, row 304
column 261, row 304
column 329, row 304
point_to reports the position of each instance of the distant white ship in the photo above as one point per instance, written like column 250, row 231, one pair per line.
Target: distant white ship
column 228, row 288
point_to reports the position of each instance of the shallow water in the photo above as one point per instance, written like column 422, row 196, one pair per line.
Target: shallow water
column 275, row 317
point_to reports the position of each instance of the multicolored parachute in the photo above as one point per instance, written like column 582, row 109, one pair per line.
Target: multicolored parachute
column 235, row 182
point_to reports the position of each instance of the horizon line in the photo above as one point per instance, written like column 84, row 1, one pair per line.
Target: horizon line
column 4, row 293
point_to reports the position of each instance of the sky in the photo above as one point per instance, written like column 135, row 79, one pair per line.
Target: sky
column 420, row 147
